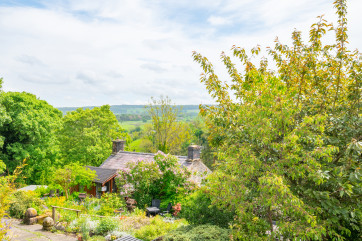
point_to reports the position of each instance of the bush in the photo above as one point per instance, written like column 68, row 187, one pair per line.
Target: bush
column 41, row 190
column 110, row 202
column 197, row 209
column 198, row 233
column 55, row 201
column 22, row 200
column 106, row 225
column 83, row 224
column 97, row 238
column 161, row 179
column 158, row 227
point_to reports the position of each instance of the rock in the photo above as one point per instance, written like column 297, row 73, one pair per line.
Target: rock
column 30, row 213
column 60, row 226
column 48, row 223
column 30, row 216
column 131, row 204
column 30, row 221
column 41, row 218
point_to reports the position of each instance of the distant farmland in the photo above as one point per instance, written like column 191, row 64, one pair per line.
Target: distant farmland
column 192, row 110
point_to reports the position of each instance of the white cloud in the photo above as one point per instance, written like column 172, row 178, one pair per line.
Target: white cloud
column 88, row 52
column 216, row 20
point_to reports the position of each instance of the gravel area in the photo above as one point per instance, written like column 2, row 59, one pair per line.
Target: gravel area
column 22, row 232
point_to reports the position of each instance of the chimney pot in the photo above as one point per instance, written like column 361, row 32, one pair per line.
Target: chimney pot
column 118, row 145
column 193, row 152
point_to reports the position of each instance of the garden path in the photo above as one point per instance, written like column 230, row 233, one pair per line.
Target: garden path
column 22, row 232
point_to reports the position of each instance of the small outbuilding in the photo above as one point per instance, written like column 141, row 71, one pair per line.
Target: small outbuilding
column 104, row 181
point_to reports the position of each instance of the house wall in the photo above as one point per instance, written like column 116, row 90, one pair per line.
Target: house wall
column 97, row 187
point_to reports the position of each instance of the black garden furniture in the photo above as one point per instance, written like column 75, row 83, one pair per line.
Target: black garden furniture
column 155, row 208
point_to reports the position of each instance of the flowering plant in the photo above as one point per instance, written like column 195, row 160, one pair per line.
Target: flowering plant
column 162, row 179
column 176, row 209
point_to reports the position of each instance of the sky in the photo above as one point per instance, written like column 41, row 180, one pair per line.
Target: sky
column 96, row 52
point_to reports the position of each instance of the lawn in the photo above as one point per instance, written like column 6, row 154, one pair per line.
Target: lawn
column 131, row 125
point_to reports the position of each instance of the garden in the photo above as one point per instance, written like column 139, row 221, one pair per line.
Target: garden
column 286, row 145
column 192, row 217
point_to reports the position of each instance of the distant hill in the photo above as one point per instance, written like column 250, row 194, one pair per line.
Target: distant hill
column 187, row 111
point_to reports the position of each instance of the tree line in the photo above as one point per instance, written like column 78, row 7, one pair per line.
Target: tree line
column 32, row 129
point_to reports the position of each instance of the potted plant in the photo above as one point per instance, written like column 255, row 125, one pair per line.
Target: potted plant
column 80, row 237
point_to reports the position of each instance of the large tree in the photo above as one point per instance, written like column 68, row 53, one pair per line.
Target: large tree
column 169, row 134
column 3, row 115
column 28, row 132
column 289, row 140
column 86, row 136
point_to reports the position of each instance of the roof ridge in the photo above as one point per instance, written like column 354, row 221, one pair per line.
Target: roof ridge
column 143, row 153
column 113, row 169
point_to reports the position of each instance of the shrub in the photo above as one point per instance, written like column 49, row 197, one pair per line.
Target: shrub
column 22, row 200
column 113, row 235
column 97, row 238
column 55, row 201
column 41, row 190
column 198, row 233
column 134, row 222
column 158, row 227
column 106, row 225
column 84, row 228
column 197, row 209
column 161, row 179
column 110, row 202
column 83, row 224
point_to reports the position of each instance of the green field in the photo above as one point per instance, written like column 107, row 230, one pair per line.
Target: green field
column 131, row 125
column 186, row 113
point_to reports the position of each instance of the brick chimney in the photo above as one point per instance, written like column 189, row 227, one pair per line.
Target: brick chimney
column 118, row 145
column 193, row 153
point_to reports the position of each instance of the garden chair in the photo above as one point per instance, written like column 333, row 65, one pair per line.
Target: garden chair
column 51, row 193
column 155, row 207
column 168, row 210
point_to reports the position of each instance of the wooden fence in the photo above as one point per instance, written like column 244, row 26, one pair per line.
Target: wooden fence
column 55, row 207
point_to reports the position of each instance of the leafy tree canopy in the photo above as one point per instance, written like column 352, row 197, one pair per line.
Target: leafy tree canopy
column 28, row 131
column 86, row 136
column 289, row 139
column 72, row 175
column 169, row 134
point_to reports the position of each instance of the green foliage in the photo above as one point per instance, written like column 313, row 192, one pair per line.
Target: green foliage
column 84, row 228
column 41, row 190
column 97, row 238
column 106, row 225
column 157, row 228
column 110, row 202
column 168, row 133
column 198, row 233
column 86, row 135
column 22, row 200
column 161, row 179
column 7, row 188
column 197, row 209
column 288, row 139
column 72, row 175
column 28, row 131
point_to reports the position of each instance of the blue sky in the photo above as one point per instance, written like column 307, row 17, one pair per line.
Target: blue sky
column 92, row 52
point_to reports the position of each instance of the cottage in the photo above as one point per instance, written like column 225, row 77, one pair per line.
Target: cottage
column 104, row 181
column 119, row 159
